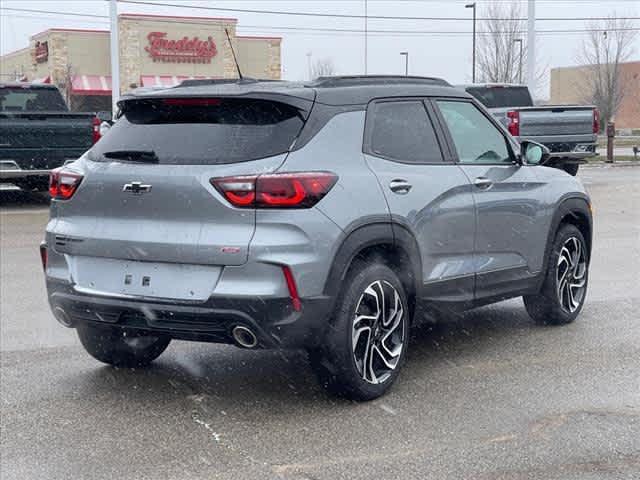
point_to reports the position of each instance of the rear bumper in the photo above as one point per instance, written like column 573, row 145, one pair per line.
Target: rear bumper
column 273, row 320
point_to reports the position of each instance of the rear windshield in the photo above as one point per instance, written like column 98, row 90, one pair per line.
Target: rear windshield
column 203, row 131
column 24, row 99
column 497, row 97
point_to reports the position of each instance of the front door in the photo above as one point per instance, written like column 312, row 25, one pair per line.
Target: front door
column 507, row 196
column 427, row 194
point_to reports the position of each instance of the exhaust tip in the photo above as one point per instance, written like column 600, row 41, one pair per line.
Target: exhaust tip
column 62, row 317
column 244, row 337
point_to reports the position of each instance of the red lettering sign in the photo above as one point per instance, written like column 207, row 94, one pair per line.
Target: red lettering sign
column 41, row 53
column 185, row 50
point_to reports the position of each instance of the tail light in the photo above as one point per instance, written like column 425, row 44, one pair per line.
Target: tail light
column 513, row 125
column 95, row 123
column 62, row 185
column 596, row 121
column 278, row 190
column 44, row 255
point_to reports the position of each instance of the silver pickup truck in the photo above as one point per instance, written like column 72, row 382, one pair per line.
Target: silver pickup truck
column 569, row 132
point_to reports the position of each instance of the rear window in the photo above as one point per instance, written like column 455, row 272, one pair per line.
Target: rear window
column 25, row 99
column 203, row 131
column 498, row 97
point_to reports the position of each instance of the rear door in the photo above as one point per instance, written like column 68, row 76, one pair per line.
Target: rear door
column 511, row 230
column 129, row 207
column 426, row 192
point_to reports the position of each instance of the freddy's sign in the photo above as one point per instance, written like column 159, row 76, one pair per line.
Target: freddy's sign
column 184, row 50
column 41, row 52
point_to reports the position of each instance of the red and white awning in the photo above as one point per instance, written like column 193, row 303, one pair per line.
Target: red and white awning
column 41, row 80
column 167, row 81
column 91, row 85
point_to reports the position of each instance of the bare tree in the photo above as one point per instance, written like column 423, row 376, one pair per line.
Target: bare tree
column 322, row 67
column 609, row 43
column 498, row 55
column 503, row 37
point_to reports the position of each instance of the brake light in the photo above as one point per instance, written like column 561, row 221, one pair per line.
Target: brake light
column 278, row 190
column 62, row 185
column 513, row 125
column 596, row 121
column 44, row 255
column 293, row 289
column 95, row 133
column 197, row 102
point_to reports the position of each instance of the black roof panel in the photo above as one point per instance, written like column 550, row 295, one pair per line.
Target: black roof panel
column 346, row 90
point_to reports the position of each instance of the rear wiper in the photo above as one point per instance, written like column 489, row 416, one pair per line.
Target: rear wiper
column 144, row 156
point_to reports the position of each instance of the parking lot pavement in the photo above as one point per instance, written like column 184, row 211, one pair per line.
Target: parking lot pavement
column 487, row 395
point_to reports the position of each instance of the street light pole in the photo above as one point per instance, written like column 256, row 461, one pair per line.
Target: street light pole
column 406, row 63
column 473, row 61
column 519, row 40
column 115, row 57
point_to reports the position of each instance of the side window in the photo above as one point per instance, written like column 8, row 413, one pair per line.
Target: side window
column 476, row 139
column 402, row 131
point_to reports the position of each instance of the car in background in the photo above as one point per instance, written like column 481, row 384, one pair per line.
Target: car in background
column 38, row 133
column 570, row 132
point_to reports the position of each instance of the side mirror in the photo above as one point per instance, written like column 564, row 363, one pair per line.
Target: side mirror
column 104, row 128
column 533, row 153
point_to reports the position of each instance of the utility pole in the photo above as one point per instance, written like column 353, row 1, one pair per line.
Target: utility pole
column 519, row 40
column 309, row 65
column 115, row 57
column 406, row 63
column 473, row 61
column 365, row 36
column 531, row 46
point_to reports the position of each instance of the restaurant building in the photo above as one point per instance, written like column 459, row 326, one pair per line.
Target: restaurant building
column 155, row 51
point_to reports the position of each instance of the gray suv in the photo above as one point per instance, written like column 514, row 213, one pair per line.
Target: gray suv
column 326, row 216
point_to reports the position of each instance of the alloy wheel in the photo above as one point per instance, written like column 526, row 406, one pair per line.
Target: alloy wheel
column 571, row 275
column 378, row 332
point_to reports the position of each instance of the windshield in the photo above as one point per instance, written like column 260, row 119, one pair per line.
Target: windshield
column 499, row 97
column 219, row 130
column 22, row 99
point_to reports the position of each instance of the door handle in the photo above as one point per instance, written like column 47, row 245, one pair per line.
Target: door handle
column 482, row 183
column 400, row 186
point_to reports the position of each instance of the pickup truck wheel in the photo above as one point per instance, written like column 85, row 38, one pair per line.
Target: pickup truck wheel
column 571, row 168
column 565, row 284
column 113, row 346
column 366, row 342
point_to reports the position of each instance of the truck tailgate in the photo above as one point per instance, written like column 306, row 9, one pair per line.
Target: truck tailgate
column 556, row 121
column 44, row 130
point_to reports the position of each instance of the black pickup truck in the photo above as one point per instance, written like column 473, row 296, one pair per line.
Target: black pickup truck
column 38, row 133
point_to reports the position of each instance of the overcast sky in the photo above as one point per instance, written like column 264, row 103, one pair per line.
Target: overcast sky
column 446, row 55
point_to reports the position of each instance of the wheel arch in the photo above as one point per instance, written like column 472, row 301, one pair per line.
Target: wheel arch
column 386, row 240
column 573, row 210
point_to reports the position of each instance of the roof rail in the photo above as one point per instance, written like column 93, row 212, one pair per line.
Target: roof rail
column 362, row 80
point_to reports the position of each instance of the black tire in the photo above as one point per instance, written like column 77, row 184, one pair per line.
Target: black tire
column 549, row 306
column 571, row 168
column 116, row 347
column 335, row 360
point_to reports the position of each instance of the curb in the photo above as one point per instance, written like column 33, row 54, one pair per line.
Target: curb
column 610, row 165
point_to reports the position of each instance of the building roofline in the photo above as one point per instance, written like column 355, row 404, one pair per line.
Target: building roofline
column 148, row 15
column 257, row 37
column 14, row 52
column 76, row 30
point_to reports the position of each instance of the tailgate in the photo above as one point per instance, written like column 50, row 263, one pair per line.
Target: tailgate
column 45, row 130
column 162, row 207
column 556, row 121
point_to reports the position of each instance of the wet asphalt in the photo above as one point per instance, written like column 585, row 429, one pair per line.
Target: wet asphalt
column 486, row 395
